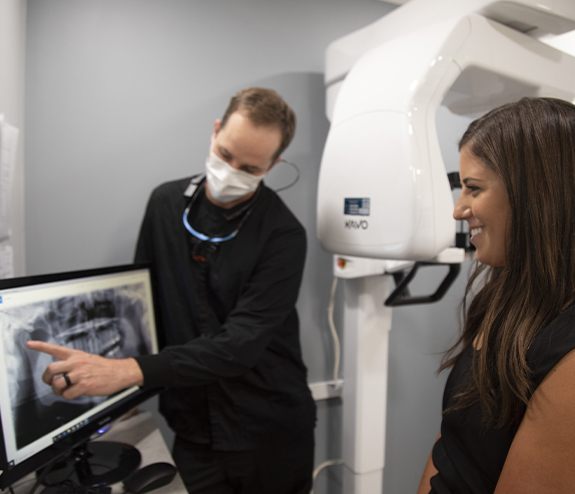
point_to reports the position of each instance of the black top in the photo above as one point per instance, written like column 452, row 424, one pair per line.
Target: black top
column 469, row 456
column 230, row 350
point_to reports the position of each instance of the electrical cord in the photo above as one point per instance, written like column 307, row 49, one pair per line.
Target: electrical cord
column 294, row 181
column 322, row 466
column 336, row 362
column 333, row 330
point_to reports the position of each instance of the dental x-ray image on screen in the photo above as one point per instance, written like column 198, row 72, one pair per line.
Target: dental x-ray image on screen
column 107, row 312
column 110, row 323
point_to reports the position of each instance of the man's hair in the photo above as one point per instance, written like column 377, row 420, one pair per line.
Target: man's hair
column 267, row 108
column 530, row 145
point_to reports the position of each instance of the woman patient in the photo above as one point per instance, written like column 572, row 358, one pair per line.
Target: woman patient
column 509, row 405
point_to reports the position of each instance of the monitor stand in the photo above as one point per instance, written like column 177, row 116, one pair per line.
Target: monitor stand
column 94, row 463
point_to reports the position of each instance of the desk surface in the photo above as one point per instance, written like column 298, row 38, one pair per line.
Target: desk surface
column 139, row 430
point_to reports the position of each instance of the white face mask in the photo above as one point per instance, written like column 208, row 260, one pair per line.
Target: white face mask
column 227, row 184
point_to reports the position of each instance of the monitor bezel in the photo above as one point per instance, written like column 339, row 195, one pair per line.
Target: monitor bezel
column 9, row 474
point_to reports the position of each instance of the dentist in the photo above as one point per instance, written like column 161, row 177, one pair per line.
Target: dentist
column 228, row 257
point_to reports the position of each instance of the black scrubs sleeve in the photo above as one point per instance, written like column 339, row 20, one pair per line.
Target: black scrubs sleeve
column 144, row 245
column 234, row 348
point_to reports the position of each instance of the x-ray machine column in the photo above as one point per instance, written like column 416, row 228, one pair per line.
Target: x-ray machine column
column 384, row 201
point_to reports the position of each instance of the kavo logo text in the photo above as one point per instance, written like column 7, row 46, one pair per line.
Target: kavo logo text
column 356, row 225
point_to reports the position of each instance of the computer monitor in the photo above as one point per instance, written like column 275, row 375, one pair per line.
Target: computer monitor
column 107, row 311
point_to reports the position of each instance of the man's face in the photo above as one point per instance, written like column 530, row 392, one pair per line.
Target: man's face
column 245, row 146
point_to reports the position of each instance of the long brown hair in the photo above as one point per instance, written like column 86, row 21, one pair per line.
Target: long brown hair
column 530, row 144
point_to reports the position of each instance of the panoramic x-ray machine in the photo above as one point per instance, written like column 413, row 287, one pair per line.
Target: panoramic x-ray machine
column 384, row 200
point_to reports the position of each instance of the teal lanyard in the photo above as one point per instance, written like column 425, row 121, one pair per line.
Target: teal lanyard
column 202, row 236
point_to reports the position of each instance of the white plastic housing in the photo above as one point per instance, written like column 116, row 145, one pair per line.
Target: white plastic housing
column 533, row 17
column 383, row 190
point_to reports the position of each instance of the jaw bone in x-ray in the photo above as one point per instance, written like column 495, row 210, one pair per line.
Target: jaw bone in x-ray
column 109, row 323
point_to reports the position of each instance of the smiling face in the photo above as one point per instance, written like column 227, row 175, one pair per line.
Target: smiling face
column 485, row 206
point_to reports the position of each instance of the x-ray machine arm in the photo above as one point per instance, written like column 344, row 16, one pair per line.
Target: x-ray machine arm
column 384, row 201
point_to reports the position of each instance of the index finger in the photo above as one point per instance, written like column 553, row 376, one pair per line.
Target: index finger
column 56, row 351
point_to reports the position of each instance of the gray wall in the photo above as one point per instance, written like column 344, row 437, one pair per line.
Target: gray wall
column 12, row 56
column 121, row 95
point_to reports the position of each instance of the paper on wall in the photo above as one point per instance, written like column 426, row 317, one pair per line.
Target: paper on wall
column 8, row 147
column 6, row 260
